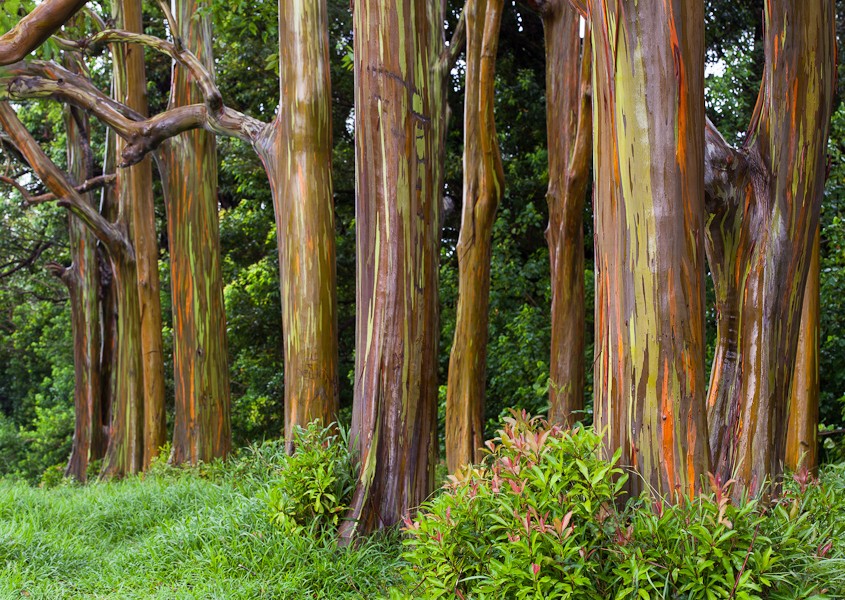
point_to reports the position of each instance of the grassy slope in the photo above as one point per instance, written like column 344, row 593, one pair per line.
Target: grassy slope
column 165, row 537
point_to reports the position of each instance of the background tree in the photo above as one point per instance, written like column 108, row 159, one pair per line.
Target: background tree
column 202, row 422
column 569, row 123
column 482, row 191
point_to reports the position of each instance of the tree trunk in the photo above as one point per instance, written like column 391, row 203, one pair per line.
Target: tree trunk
column 125, row 452
column 136, row 194
column 83, row 282
column 202, row 429
column 297, row 156
column 399, row 124
column 569, row 122
column 803, row 422
column 482, row 188
column 764, row 201
column 648, row 60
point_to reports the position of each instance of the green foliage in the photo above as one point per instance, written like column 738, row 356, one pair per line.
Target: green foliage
column 310, row 489
column 542, row 517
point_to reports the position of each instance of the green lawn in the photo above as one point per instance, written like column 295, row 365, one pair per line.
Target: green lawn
column 176, row 536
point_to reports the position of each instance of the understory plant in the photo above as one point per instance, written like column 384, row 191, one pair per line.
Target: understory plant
column 543, row 516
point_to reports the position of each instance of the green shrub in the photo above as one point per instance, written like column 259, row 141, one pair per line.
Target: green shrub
column 543, row 517
column 311, row 487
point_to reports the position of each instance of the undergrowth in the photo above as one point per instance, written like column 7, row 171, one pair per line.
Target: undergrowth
column 216, row 531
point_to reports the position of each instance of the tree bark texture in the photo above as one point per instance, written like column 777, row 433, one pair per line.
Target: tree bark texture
column 482, row 191
column 648, row 60
column 82, row 278
column 136, row 195
column 297, row 156
column 763, row 201
column 399, row 125
column 569, row 122
column 802, row 436
column 202, row 427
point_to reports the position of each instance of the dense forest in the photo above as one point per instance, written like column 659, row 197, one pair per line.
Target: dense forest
column 408, row 218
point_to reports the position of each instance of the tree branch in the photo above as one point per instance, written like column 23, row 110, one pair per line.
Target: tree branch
column 56, row 181
column 85, row 187
column 456, row 44
column 142, row 135
column 44, row 20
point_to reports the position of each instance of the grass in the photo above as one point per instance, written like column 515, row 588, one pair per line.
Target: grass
column 174, row 536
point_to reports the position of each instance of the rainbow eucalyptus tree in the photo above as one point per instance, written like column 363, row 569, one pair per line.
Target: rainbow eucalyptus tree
column 82, row 279
column 570, row 127
column 202, row 428
column 803, row 418
column 763, row 200
column 125, row 451
column 401, row 64
column 648, row 157
column 482, row 189
column 135, row 185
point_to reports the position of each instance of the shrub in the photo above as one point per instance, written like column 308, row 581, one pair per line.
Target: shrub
column 543, row 517
column 311, row 487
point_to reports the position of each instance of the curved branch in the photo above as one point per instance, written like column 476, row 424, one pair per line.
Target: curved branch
column 83, row 188
column 44, row 20
column 142, row 135
column 57, row 182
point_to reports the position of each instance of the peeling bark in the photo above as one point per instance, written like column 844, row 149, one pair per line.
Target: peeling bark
column 202, row 428
column 763, row 202
column 482, row 187
column 648, row 60
column 399, row 123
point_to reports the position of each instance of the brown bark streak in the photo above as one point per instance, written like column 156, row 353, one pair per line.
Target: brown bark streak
column 483, row 186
